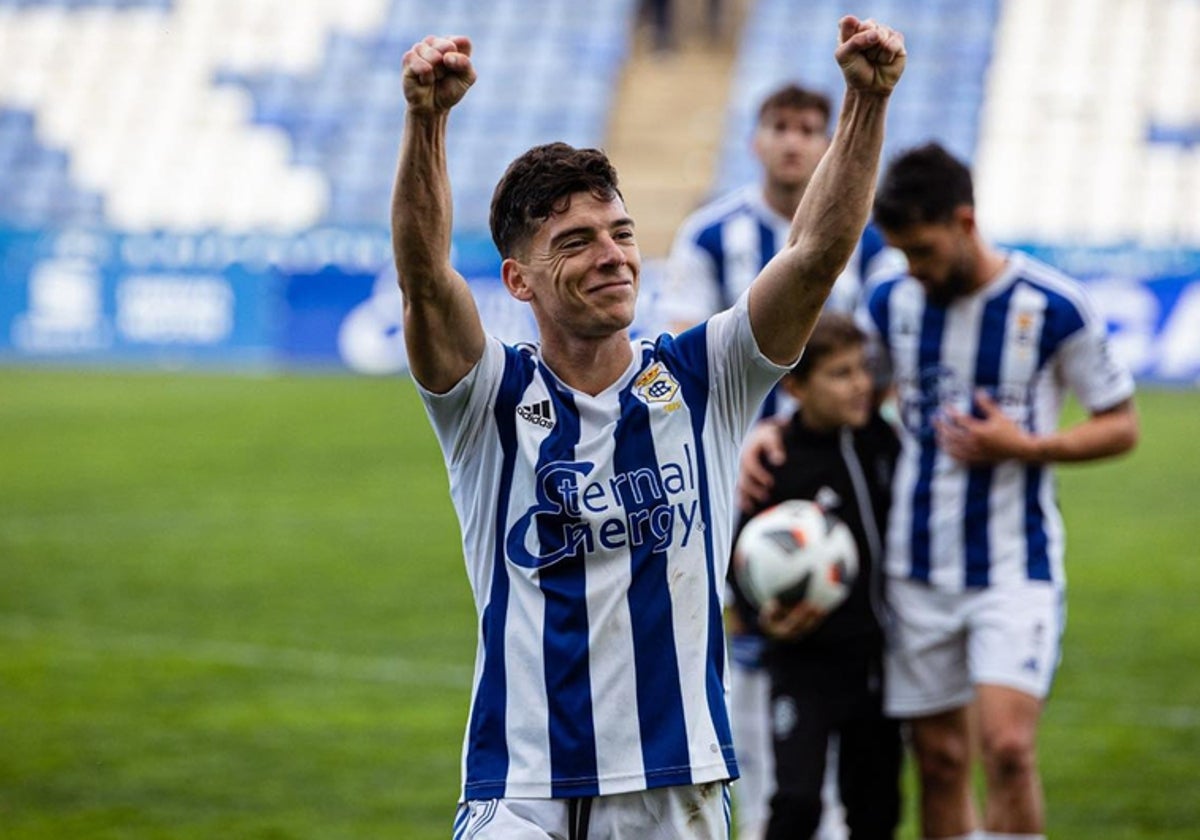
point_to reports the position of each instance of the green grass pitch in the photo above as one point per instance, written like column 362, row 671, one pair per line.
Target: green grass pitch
column 235, row 607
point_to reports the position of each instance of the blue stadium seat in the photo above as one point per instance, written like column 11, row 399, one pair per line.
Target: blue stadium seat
column 35, row 181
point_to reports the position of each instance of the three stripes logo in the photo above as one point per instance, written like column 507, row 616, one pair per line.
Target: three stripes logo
column 538, row 413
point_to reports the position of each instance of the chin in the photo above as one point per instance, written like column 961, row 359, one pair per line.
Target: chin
column 857, row 418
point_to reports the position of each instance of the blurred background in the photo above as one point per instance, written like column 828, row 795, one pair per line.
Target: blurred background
column 207, row 181
column 232, row 601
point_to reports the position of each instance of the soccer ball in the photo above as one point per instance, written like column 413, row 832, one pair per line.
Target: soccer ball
column 796, row 551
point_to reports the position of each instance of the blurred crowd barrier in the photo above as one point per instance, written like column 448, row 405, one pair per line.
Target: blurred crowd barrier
column 328, row 298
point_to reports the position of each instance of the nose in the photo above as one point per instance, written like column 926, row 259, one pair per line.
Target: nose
column 611, row 253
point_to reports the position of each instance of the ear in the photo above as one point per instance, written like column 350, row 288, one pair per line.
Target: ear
column 512, row 273
column 754, row 144
column 964, row 218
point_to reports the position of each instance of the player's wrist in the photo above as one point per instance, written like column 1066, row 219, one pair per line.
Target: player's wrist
column 1038, row 449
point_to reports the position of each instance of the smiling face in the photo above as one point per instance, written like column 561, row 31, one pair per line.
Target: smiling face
column 790, row 142
column 580, row 269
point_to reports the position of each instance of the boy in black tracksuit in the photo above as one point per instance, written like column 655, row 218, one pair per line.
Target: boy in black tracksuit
column 826, row 670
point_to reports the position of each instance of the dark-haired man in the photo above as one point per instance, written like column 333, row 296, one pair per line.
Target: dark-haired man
column 983, row 345
column 593, row 474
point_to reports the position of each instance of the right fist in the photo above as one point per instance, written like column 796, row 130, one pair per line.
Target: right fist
column 437, row 73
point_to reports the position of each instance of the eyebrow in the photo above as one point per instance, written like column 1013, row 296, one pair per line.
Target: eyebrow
column 624, row 221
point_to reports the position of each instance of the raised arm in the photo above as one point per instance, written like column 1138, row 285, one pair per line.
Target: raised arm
column 787, row 296
column 442, row 330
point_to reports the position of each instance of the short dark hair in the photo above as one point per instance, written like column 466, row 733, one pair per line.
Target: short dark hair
column 833, row 332
column 922, row 185
column 796, row 98
column 540, row 183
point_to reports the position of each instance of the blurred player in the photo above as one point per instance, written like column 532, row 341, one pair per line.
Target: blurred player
column 593, row 475
column 826, row 671
column 984, row 346
column 718, row 251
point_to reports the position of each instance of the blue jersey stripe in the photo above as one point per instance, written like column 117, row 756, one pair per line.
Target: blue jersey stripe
column 691, row 350
column 710, row 240
column 572, row 730
column 660, row 703
column 1036, row 538
column 1062, row 319
column 487, row 758
column 992, row 329
column 766, row 246
column 933, row 324
column 766, row 251
column 879, row 308
column 870, row 244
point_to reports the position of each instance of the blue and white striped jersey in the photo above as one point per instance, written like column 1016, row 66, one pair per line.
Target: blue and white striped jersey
column 722, row 246
column 596, row 532
column 1025, row 338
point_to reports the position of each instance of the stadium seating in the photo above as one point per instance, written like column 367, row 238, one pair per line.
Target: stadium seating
column 1093, row 139
column 941, row 94
column 276, row 114
column 282, row 115
column 1076, row 114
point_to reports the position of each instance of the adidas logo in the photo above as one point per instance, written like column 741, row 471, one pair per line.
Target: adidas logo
column 537, row 413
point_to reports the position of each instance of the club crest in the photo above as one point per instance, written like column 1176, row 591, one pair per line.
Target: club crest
column 656, row 386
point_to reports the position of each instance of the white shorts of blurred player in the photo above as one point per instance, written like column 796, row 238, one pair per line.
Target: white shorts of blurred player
column 943, row 644
column 692, row 811
column 750, row 718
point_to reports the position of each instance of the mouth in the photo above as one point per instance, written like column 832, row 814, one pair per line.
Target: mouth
column 610, row 285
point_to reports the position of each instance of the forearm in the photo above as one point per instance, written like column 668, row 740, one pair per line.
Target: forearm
column 422, row 206
column 835, row 208
column 1100, row 436
column 442, row 331
column 788, row 296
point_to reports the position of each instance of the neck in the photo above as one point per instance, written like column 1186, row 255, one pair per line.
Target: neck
column 990, row 264
column 588, row 365
column 783, row 198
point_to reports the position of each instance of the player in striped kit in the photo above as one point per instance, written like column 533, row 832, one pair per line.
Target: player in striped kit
column 597, row 538
column 983, row 346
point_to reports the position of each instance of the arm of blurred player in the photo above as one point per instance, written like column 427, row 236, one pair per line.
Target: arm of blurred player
column 442, row 330
column 787, row 296
column 996, row 437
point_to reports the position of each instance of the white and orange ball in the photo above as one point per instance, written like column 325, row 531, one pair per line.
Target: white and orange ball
column 796, row 551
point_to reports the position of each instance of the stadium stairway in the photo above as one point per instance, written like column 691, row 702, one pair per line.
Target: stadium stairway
column 668, row 119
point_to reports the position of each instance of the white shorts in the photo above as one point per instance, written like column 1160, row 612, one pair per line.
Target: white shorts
column 692, row 811
column 943, row 644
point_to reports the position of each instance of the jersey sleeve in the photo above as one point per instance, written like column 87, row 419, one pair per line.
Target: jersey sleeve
column 459, row 416
column 690, row 291
column 741, row 375
column 1087, row 365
